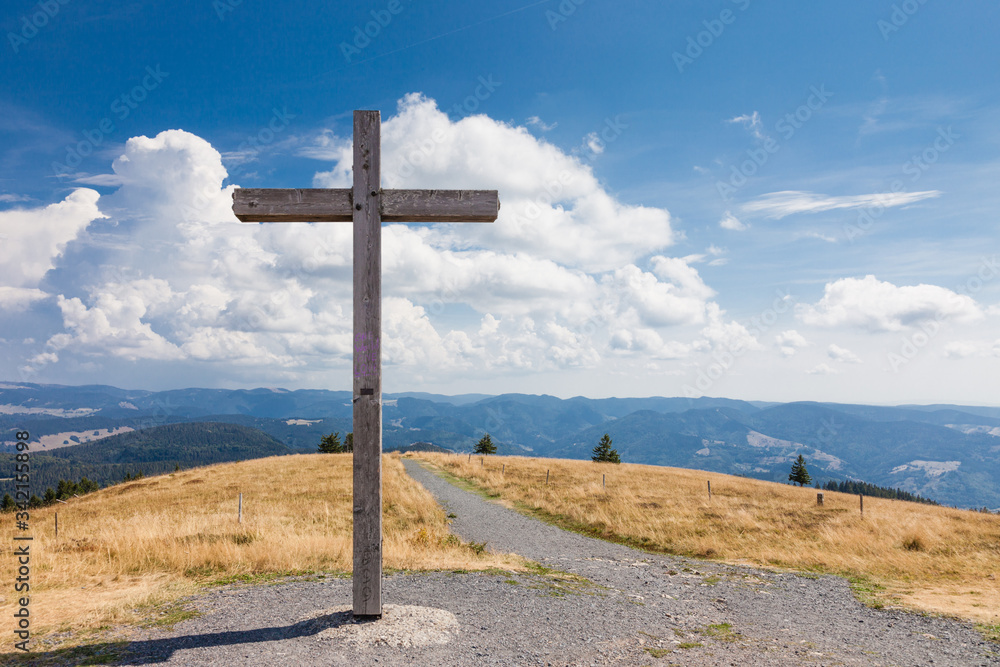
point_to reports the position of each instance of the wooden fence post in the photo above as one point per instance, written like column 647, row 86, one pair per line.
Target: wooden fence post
column 603, row 485
column 709, row 489
column 819, row 499
column 503, row 469
column 240, row 519
column 546, row 477
column 57, row 525
column 862, row 499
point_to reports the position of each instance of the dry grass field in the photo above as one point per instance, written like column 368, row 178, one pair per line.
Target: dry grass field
column 131, row 547
column 931, row 558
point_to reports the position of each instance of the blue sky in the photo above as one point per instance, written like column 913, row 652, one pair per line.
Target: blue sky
column 774, row 201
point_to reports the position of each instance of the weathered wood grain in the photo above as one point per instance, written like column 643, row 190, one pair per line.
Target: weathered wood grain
column 292, row 205
column 367, row 366
column 325, row 205
column 440, row 205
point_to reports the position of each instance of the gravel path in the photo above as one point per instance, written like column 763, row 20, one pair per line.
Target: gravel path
column 625, row 607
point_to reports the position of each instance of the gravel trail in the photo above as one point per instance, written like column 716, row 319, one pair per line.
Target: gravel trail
column 625, row 607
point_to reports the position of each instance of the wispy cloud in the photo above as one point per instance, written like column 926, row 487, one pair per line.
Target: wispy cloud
column 12, row 199
column 751, row 122
column 535, row 121
column 777, row 205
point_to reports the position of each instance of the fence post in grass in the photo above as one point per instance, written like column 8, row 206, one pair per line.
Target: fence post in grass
column 240, row 518
column 819, row 499
column 709, row 489
column 546, row 477
column 470, row 457
column 57, row 525
column 503, row 469
column 603, row 485
column 862, row 499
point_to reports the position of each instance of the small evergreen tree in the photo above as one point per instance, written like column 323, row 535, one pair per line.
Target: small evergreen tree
column 349, row 442
column 799, row 474
column 50, row 496
column 8, row 503
column 485, row 445
column 330, row 444
column 603, row 453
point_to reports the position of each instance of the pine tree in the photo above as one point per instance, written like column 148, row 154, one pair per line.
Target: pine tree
column 799, row 474
column 8, row 503
column 485, row 445
column 603, row 453
column 349, row 442
column 330, row 444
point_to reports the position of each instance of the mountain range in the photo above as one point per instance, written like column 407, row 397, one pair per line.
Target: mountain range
column 949, row 453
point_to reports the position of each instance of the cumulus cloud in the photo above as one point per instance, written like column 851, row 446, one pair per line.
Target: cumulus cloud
column 33, row 240
column 568, row 277
column 822, row 369
column 552, row 204
column 842, row 355
column 777, row 205
column 877, row 306
column 789, row 342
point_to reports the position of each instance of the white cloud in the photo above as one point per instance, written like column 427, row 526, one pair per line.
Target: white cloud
column 752, row 123
column 731, row 222
column 822, row 369
column 842, row 355
column 877, row 306
column 34, row 239
column 777, row 205
column 789, row 342
column 16, row 299
column 551, row 204
column 962, row 349
column 553, row 284
column 535, row 121
column 9, row 198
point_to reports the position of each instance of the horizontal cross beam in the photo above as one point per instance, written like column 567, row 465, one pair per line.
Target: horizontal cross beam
column 335, row 205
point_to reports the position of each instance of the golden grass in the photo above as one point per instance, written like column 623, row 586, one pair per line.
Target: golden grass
column 931, row 558
column 125, row 548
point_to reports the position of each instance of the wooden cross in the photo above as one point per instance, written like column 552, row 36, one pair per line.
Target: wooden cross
column 367, row 206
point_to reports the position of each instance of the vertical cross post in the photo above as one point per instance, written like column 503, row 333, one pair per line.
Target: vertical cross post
column 367, row 365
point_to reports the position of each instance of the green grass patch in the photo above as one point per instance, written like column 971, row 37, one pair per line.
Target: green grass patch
column 690, row 645
column 989, row 632
column 720, row 631
column 867, row 591
column 657, row 652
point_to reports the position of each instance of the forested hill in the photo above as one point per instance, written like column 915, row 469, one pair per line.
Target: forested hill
column 150, row 451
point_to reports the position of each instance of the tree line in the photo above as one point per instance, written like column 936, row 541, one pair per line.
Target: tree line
column 64, row 490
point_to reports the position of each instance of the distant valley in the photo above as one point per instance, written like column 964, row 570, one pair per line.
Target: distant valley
column 948, row 453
